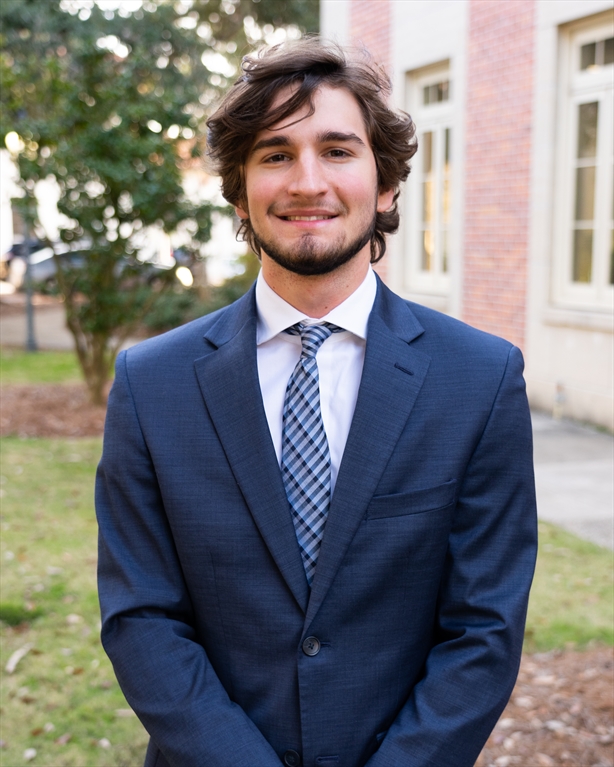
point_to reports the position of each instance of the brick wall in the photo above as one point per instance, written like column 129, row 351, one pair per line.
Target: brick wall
column 497, row 165
column 370, row 25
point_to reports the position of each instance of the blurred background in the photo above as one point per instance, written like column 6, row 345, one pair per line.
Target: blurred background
column 112, row 230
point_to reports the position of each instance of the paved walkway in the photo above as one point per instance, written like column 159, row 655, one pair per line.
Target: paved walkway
column 574, row 476
column 574, row 465
column 49, row 324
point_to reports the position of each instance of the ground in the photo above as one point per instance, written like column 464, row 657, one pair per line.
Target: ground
column 561, row 711
column 49, row 410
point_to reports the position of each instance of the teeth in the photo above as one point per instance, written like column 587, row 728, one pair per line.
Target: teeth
column 307, row 218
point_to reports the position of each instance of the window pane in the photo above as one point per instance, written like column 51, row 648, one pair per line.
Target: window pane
column 587, row 55
column 587, row 129
column 585, row 193
column 448, row 148
column 612, row 257
column 432, row 94
column 428, row 194
column 446, row 201
column 427, row 250
column 444, row 253
column 608, row 51
column 427, row 151
column 582, row 255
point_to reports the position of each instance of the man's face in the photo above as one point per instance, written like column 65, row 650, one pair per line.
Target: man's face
column 311, row 186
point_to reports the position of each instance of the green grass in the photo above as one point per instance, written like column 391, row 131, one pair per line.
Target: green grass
column 48, row 600
column 21, row 367
column 572, row 599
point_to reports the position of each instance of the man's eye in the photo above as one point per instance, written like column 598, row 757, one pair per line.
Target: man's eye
column 337, row 153
column 276, row 158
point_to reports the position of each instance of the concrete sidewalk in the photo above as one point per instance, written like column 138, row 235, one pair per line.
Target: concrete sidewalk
column 49, row 324
column 574, row 477
column 574, row 465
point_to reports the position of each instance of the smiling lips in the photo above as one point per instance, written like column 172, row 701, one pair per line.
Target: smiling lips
column 306, row 218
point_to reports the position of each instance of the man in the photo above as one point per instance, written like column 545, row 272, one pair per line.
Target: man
column 316, row 506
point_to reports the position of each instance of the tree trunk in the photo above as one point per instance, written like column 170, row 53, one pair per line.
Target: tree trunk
column 96, row 356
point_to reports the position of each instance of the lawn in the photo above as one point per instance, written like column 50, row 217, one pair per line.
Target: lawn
column 572, row 599
column 63, row 701
column 20, row 367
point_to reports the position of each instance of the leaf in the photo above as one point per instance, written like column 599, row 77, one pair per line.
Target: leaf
column 16, row 657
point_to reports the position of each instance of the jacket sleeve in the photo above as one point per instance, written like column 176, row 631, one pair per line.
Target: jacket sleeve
column 147, row 626
column 470, row 671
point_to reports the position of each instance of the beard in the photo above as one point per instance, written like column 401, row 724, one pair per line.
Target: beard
column 309, row 257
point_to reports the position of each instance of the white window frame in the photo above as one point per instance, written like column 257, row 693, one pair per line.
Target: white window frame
column 436, row 118
column 578, row 87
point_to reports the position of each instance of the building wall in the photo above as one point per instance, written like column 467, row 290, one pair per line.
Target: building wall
column 569, row 353
column 505, row 68
column 498, row 166
column 370, row 26
column 370, row 23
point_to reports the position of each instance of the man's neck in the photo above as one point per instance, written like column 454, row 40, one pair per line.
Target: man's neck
column 316, row 295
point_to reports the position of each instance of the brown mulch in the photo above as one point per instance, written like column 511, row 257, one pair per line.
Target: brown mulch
column 49, row 410
column 561, row 713
column 562, row 709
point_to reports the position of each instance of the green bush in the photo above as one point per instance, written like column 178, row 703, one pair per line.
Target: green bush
column 182, row 305
column 14, row 614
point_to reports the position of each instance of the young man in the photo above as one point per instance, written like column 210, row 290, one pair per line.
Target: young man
column 316, row 506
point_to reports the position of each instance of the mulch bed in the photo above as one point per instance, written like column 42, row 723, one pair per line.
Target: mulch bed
column 561, row 713
column 49, row 410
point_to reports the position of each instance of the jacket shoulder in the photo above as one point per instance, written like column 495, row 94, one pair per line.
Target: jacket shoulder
column 188, row 341
column 452, row 335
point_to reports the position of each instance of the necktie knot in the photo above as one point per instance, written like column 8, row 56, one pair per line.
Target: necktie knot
column 312, row 336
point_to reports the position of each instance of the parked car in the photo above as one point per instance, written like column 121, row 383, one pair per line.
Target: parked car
column 43, row 268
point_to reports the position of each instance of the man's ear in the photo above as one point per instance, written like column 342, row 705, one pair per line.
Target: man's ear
column 385, row 198
column 241, row 212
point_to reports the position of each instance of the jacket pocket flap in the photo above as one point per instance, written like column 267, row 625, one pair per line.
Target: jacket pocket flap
column 413, row 502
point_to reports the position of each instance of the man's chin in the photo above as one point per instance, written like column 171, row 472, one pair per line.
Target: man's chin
column 307, row 266
column 310, row 261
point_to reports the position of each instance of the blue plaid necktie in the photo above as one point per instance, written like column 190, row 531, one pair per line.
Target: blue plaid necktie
column 305, row 457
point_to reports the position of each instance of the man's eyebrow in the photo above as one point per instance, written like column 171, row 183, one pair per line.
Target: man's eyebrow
column 328, row 137
column 332, row 136
column 267, row 143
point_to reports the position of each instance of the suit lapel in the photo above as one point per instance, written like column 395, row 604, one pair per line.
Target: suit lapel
column 392, row 377
column 228, row 378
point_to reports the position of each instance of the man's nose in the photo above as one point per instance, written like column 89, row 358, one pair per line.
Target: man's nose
column 308, row 177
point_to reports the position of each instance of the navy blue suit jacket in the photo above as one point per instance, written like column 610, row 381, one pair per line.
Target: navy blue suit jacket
column 422, row 581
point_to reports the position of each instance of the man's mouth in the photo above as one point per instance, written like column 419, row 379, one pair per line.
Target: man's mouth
column 306, row 218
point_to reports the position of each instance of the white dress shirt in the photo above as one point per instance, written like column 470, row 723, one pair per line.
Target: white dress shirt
column 340, row 360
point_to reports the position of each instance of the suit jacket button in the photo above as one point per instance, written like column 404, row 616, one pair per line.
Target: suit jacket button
column 292, row 759
column 311, row 646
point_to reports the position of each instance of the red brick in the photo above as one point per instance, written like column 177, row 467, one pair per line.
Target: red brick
column 497, row 165
column 370, row 22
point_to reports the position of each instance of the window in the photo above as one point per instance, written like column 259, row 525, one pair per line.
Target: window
column 584, row 229
column 428, row 235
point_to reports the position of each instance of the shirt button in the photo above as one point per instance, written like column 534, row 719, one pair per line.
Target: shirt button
column 311, row 646
column 292, row 759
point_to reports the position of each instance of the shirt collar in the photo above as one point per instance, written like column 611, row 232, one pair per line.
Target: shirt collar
column 275, row 314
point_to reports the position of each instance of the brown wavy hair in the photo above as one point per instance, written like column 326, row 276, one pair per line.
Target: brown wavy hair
column 308, row 64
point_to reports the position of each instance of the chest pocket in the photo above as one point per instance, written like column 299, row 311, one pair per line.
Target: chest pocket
column 413, row 502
